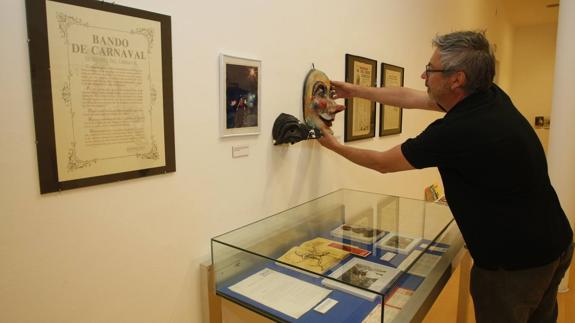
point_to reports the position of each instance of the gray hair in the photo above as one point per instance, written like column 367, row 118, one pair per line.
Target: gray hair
column 468, row 51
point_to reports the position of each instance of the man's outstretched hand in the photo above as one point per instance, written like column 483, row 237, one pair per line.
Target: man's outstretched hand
column 342, row 90
column 328, row 140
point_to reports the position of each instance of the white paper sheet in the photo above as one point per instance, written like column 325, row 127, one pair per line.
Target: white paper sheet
column 281, row 292
column 424, row 265
column 399, row 298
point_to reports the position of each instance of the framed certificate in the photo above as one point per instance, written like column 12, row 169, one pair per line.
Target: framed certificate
column 390, row 117
column 240, row 83
column 359, row 113
column 102, row 92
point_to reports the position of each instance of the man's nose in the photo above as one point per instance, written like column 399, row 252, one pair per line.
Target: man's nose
column 424, row 75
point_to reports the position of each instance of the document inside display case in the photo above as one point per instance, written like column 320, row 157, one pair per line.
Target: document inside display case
column 360, row 275
column 386, row 278
column 358, row 233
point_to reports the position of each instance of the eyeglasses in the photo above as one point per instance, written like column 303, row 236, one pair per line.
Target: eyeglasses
column 429, row 70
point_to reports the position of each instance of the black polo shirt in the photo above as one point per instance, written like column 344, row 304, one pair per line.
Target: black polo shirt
column 495, row 177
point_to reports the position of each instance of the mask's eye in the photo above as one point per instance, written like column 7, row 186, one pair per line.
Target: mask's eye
column 319, row 90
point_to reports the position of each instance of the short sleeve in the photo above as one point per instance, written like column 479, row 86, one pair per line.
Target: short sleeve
column 432, row 148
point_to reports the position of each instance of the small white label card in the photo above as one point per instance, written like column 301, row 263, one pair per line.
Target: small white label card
column 240, row 151
column 326, row 305
column 399, row 298
column 388, row 256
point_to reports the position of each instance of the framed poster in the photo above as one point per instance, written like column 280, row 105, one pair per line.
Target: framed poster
column 240, row 81
column 102, row 92
column 390, row 117
column 359, row 113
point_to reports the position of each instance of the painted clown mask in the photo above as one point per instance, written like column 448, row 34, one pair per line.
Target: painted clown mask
column 318, row 106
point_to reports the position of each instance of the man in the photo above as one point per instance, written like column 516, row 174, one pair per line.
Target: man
column 495, row 177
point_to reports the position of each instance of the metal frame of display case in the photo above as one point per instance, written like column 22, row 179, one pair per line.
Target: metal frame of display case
column 240, row 253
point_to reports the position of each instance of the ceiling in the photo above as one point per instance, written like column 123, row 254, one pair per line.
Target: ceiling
column 531, row 12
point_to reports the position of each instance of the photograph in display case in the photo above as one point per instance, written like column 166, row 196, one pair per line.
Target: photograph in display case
column 362, row 273
column 390, row 117
column 240, row 84
column 359, row 113
column 398, row 243
column 102, row 92
column 358, row 233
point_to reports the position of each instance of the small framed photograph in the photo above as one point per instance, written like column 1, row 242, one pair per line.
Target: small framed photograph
column 359, row 113
column 398, row 243
column 390, row 117
column 240, row 89
column 539, row 122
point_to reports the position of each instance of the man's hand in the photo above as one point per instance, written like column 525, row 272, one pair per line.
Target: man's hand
column 342, row 90
column 328, row 140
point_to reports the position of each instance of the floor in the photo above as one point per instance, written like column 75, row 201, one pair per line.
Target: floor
column 445, row 308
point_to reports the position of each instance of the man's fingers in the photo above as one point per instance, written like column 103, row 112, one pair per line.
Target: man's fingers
column 338, row 108
column 339, row 90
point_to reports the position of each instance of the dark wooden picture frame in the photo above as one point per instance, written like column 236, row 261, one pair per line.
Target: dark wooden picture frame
column 359, row 126
column 390, row 117
column 142, row 105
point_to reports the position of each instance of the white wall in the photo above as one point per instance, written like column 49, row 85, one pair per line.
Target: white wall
column 532, row 72
column 129, row 251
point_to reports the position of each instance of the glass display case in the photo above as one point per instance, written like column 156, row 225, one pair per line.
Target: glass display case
column 348, row 256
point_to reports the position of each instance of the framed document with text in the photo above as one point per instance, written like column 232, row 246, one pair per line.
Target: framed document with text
column 390, row 117
column 240, row 82
column 102, row 92
column 359, row 113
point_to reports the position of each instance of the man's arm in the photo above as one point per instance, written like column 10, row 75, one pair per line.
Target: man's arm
column 388, row 161
column 396, row 96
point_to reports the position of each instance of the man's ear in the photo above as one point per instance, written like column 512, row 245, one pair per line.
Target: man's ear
column 459, row 79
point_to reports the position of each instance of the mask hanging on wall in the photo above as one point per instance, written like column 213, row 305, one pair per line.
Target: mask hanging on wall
column 319, row 108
